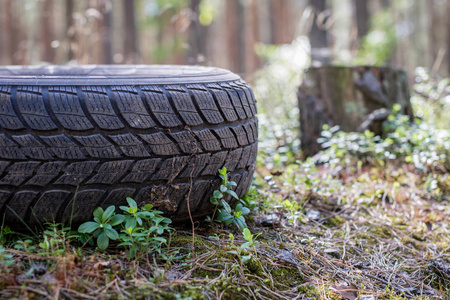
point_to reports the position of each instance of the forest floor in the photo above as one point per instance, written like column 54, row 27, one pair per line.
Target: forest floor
column 323, row 232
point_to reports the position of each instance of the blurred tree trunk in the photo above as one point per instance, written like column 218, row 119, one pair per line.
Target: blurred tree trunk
column 362, row 17
column 46, row 16
column 355, row 98
column 280, row 21
column 12, row 34
column 6, row 43
column 70, row 30
column 318, row 35
column 104, row 37
column 448, row 38
column 434, row 34
column 197, row 35
column 130, row 42
column 235, row 35
column 252, row 37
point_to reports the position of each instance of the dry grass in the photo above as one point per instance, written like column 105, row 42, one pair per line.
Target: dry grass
column 372, row 233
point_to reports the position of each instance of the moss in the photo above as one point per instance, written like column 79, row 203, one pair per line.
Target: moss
column 308, row 290
column 254, row 266
column 201, row 273
column 286, row 276
column 339, row 234
column 184, row 243
column 335, row 221
column 413, row 243
column 381, row 231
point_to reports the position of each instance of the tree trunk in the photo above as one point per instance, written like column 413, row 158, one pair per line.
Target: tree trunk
column 235, row 37
column 70, row 29
column 362, row 17
column 355, row 98
column 448, row 38
column 103, row 48
column 46, row 14
column 198, row 35
column 318, row 36
column 130, row 43
column 280, row 22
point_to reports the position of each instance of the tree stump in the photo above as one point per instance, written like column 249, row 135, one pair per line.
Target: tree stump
column 355, row 98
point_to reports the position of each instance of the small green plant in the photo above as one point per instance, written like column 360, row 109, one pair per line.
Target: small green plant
column 54, row 242
column 419, row 143
column 225, row 214
column 145, row 239
column 25, row 245
column 139, row 228
column 241, row 251
column 6, row 260
column 251, row 240
column 250, row 200
column 102, row 227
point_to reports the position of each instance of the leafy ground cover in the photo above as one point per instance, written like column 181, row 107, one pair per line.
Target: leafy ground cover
column 367, row 218
column 346, row 224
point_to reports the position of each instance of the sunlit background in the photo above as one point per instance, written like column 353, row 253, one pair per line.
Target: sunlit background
column 233, row 34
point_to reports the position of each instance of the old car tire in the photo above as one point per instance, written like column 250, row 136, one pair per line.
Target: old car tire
column 74, row 138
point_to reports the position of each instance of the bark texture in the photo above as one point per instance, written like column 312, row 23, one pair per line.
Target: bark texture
column 355, row 98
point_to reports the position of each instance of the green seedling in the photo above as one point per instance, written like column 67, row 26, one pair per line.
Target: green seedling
column 102, row 227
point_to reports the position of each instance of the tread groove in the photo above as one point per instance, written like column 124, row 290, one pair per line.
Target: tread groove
column 103, row 143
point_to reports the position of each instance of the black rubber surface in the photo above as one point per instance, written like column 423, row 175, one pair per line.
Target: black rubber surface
column 74, row 140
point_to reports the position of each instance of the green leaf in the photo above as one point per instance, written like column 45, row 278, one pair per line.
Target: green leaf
column 245, row 211
column 246, row 258
column 232, row 194
column 224, row 217
column 131, row 202
column 98, row 213
column 131, row 222
column 108, row 213
column 88, row 227
column 248, row 236
column 223, row 188
column 117, row 219
column 232, row 183
column 226, row 206
column 245, row 245
column 217, row 194
column 147, row 207
column 103, row 241
column 159, row 239
column 139, row 220
column 223, row 171
column 213, row 201
column 233, row 252
column 241, row 223
column 112, row 234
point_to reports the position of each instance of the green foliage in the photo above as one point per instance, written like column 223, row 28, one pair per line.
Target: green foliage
column 225, row 214
column 137, row 240
column 145, row 239
column 251, row 240
column 25, row 245
column 102, row 227
column 275, row 88
column 6, row 260
column 53, row 243
column 377, row 46
column 419, row 143
column 250, row 200
column 5, row 234
column 431, row 100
